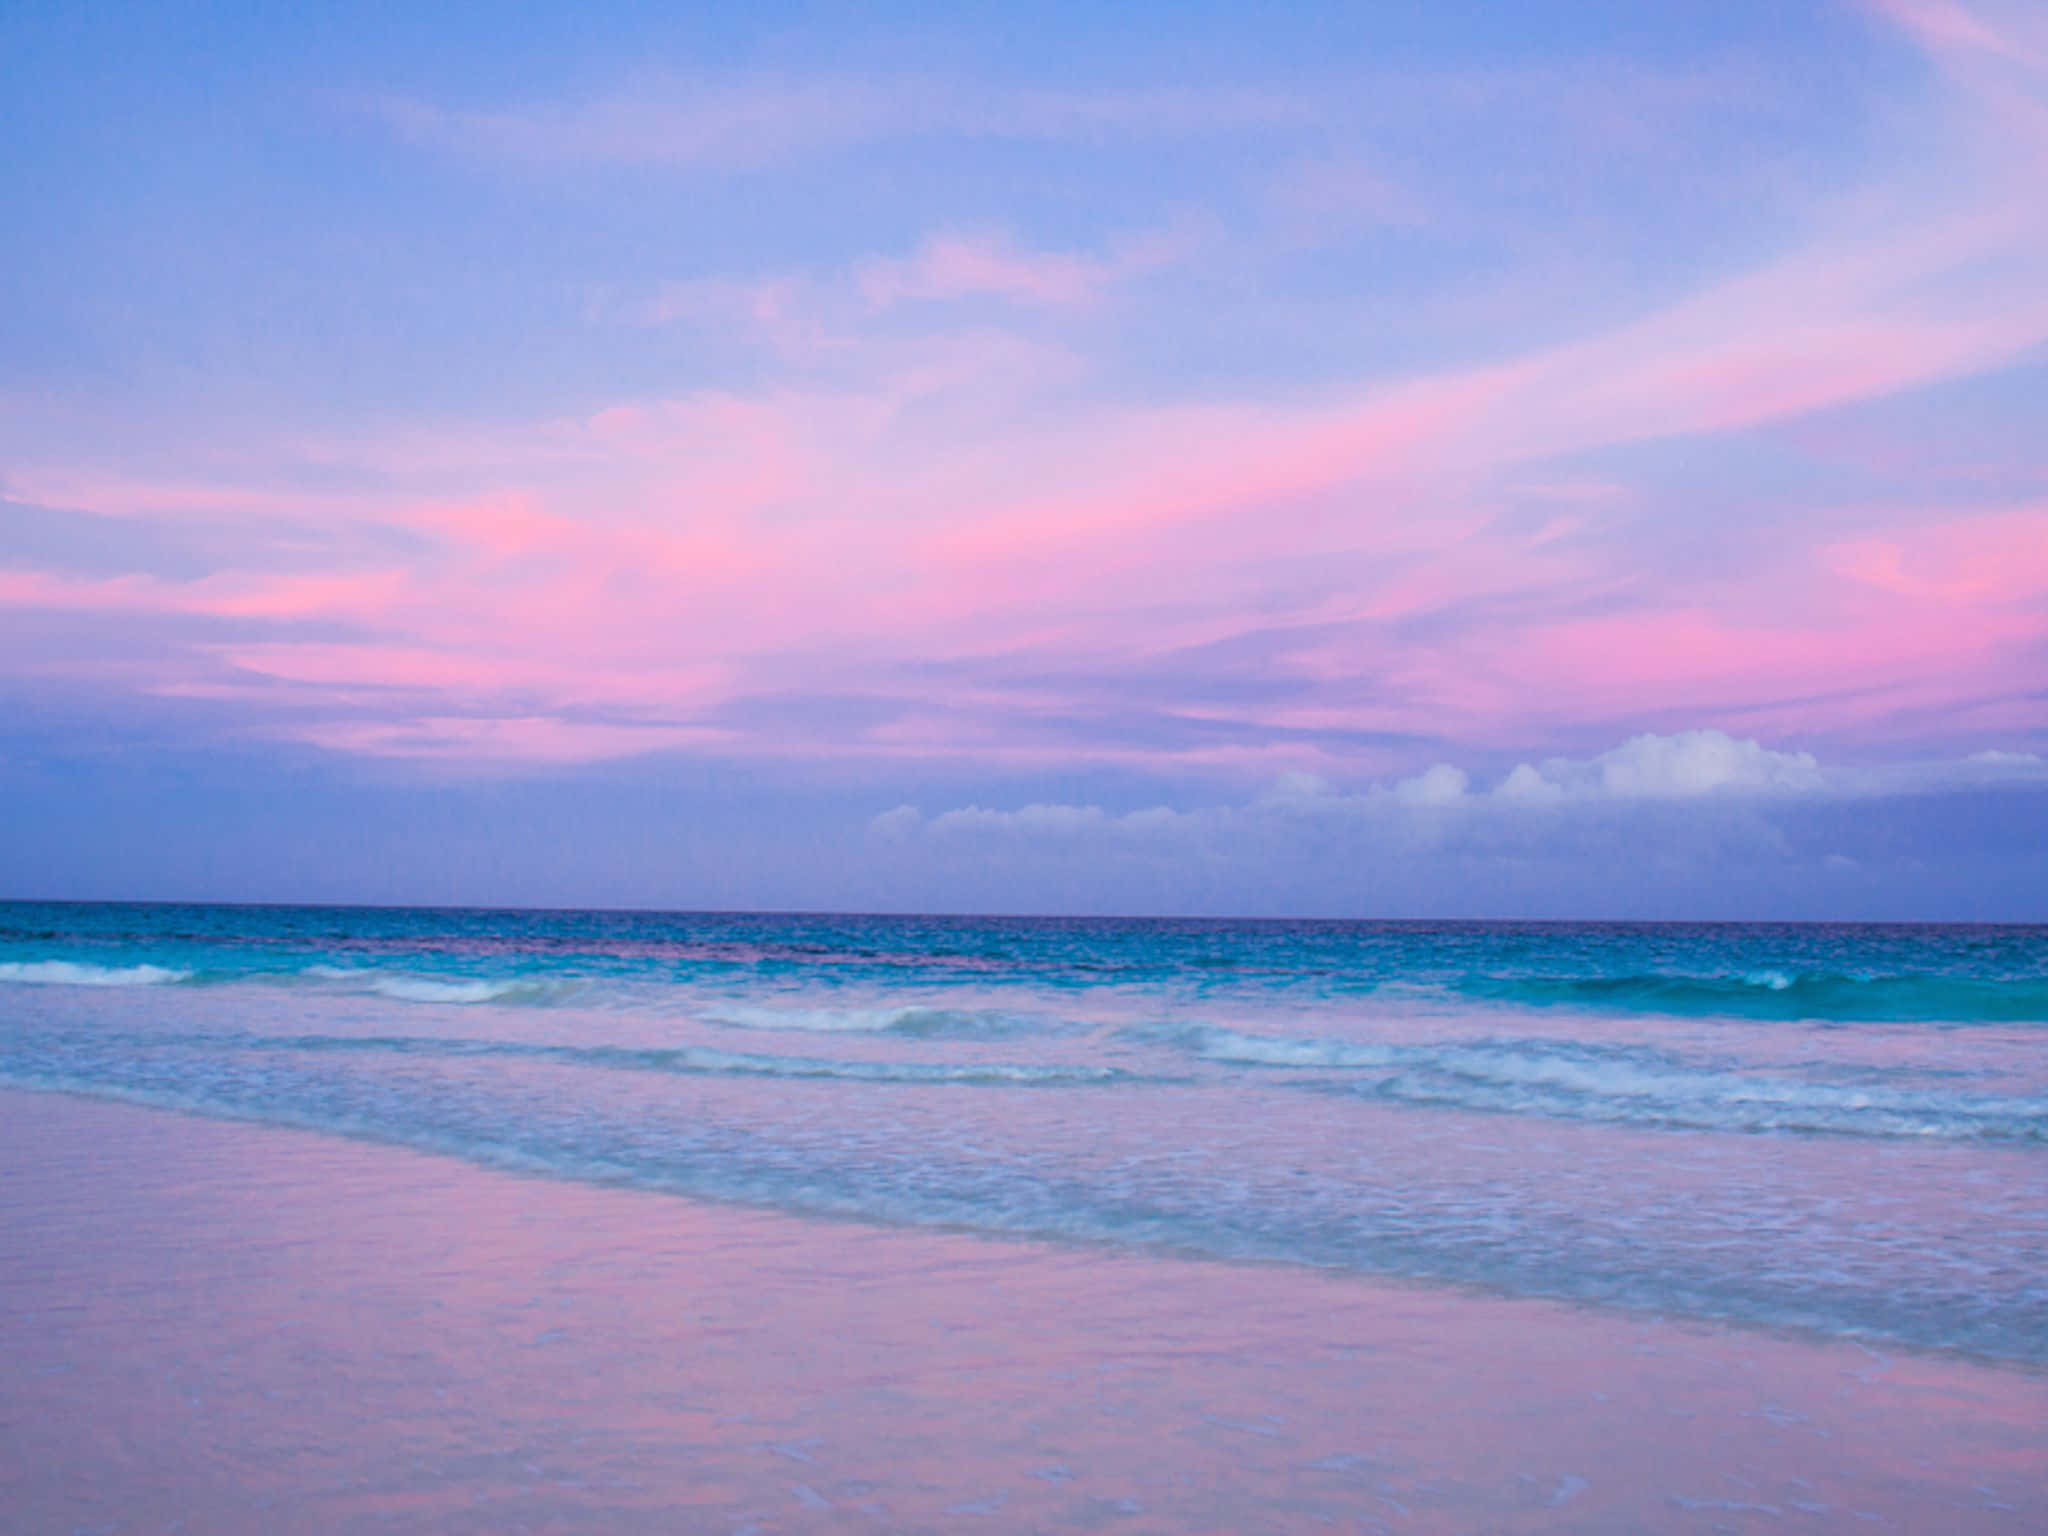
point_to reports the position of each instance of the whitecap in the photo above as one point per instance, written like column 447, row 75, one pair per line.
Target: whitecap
column 414, row 989
column 66, row 973
column 406, row 988
column 1629, row 1085
column 917, row 1020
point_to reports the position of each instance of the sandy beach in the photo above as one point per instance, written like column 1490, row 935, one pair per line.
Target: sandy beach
column 220, row 1327
column 1193, row 770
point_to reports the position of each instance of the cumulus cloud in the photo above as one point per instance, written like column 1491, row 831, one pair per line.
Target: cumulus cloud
column 1676, row 767
column 1440, row 785
column 897, row 825
column 1699, row 767
column 1036, row 820
column 1040, row 823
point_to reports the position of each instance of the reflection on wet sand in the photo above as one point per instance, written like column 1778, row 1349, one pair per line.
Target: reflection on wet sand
column 224, row 1328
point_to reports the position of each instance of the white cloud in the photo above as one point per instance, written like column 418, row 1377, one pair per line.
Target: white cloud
column 1678, row 767
column 1294, row 786
column 1527, row 785
column 1441, row 785
column 1979, row 770
column 1034, row 820
column 989, row 264
column 898, row 825
column 1699, row 767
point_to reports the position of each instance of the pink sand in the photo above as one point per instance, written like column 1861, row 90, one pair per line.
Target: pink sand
column 212, row 1327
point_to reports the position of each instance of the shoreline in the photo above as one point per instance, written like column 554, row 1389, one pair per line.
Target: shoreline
column 214, row 1321
column 1402, row 1282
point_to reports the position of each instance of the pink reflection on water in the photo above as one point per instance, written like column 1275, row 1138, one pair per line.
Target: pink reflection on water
column 253, row 1330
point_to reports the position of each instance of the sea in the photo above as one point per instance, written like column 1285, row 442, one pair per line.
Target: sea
column 1832, row 1129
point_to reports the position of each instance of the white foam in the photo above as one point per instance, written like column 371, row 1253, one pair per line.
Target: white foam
column 66, row 973
column 901, row 1020
column 1227, row 1045
column 413, row 989
column 704, row 1059
column 814, row 1020
column 1533, row 1076
column 426, row 989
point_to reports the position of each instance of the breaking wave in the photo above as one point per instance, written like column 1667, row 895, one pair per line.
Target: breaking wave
column 916, row 1022
column 1627, row 1085
column 68, row 973
column 405, row 988
column 693, row 1060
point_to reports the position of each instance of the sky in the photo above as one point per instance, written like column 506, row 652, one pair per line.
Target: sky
column 1569, row 459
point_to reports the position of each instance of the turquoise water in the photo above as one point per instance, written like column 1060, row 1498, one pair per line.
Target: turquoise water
column 1839, row 1128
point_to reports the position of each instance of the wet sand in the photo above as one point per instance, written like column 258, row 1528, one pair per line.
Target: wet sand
column 213, row 1327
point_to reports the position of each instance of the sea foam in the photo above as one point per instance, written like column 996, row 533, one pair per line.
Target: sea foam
column 68, row 973
column 915, row 1021
column 1629, row 1084
column 407, row 988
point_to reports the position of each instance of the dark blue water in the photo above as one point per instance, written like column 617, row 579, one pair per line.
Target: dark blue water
column 1833, row 1127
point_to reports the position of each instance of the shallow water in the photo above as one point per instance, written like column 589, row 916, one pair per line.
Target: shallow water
column 233, row 1328
column 1835, row 1128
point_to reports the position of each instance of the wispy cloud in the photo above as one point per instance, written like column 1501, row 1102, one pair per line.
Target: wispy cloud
column 1331, row 194
column 1001, row 538
column 723, row 125
column 958, row 266
column 2012, row 33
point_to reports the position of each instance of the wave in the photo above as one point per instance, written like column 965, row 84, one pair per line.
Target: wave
column 399, row 986
column 1781, row 994
column 407, row 988
column 1709, row 1257
column 691, row 1060
column 916, row 1022
column 1019, row 1073
column 1627, row 1085
column 67, row 973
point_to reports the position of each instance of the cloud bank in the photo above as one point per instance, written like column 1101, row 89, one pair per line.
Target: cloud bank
column 1698, row 767
column 1694, row 824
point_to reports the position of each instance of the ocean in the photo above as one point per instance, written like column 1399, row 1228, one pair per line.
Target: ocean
column 1837, row 1130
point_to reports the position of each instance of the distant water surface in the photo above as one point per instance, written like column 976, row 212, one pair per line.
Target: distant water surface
column 1838, row 1128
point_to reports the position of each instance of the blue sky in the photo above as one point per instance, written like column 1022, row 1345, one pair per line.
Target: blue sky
column 1578, row 459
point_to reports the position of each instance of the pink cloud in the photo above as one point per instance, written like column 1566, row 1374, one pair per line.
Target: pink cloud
column 471, row 674
column 885, row 502
column 43, row 590
column 503, row 527
column 520, row 739
column 1169, row 469
column 1995, row 558
column 292, row 597
column 1950, row 28
column 175, row 500
column 359, row 595
column 974, row 265
column 1728, row 667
